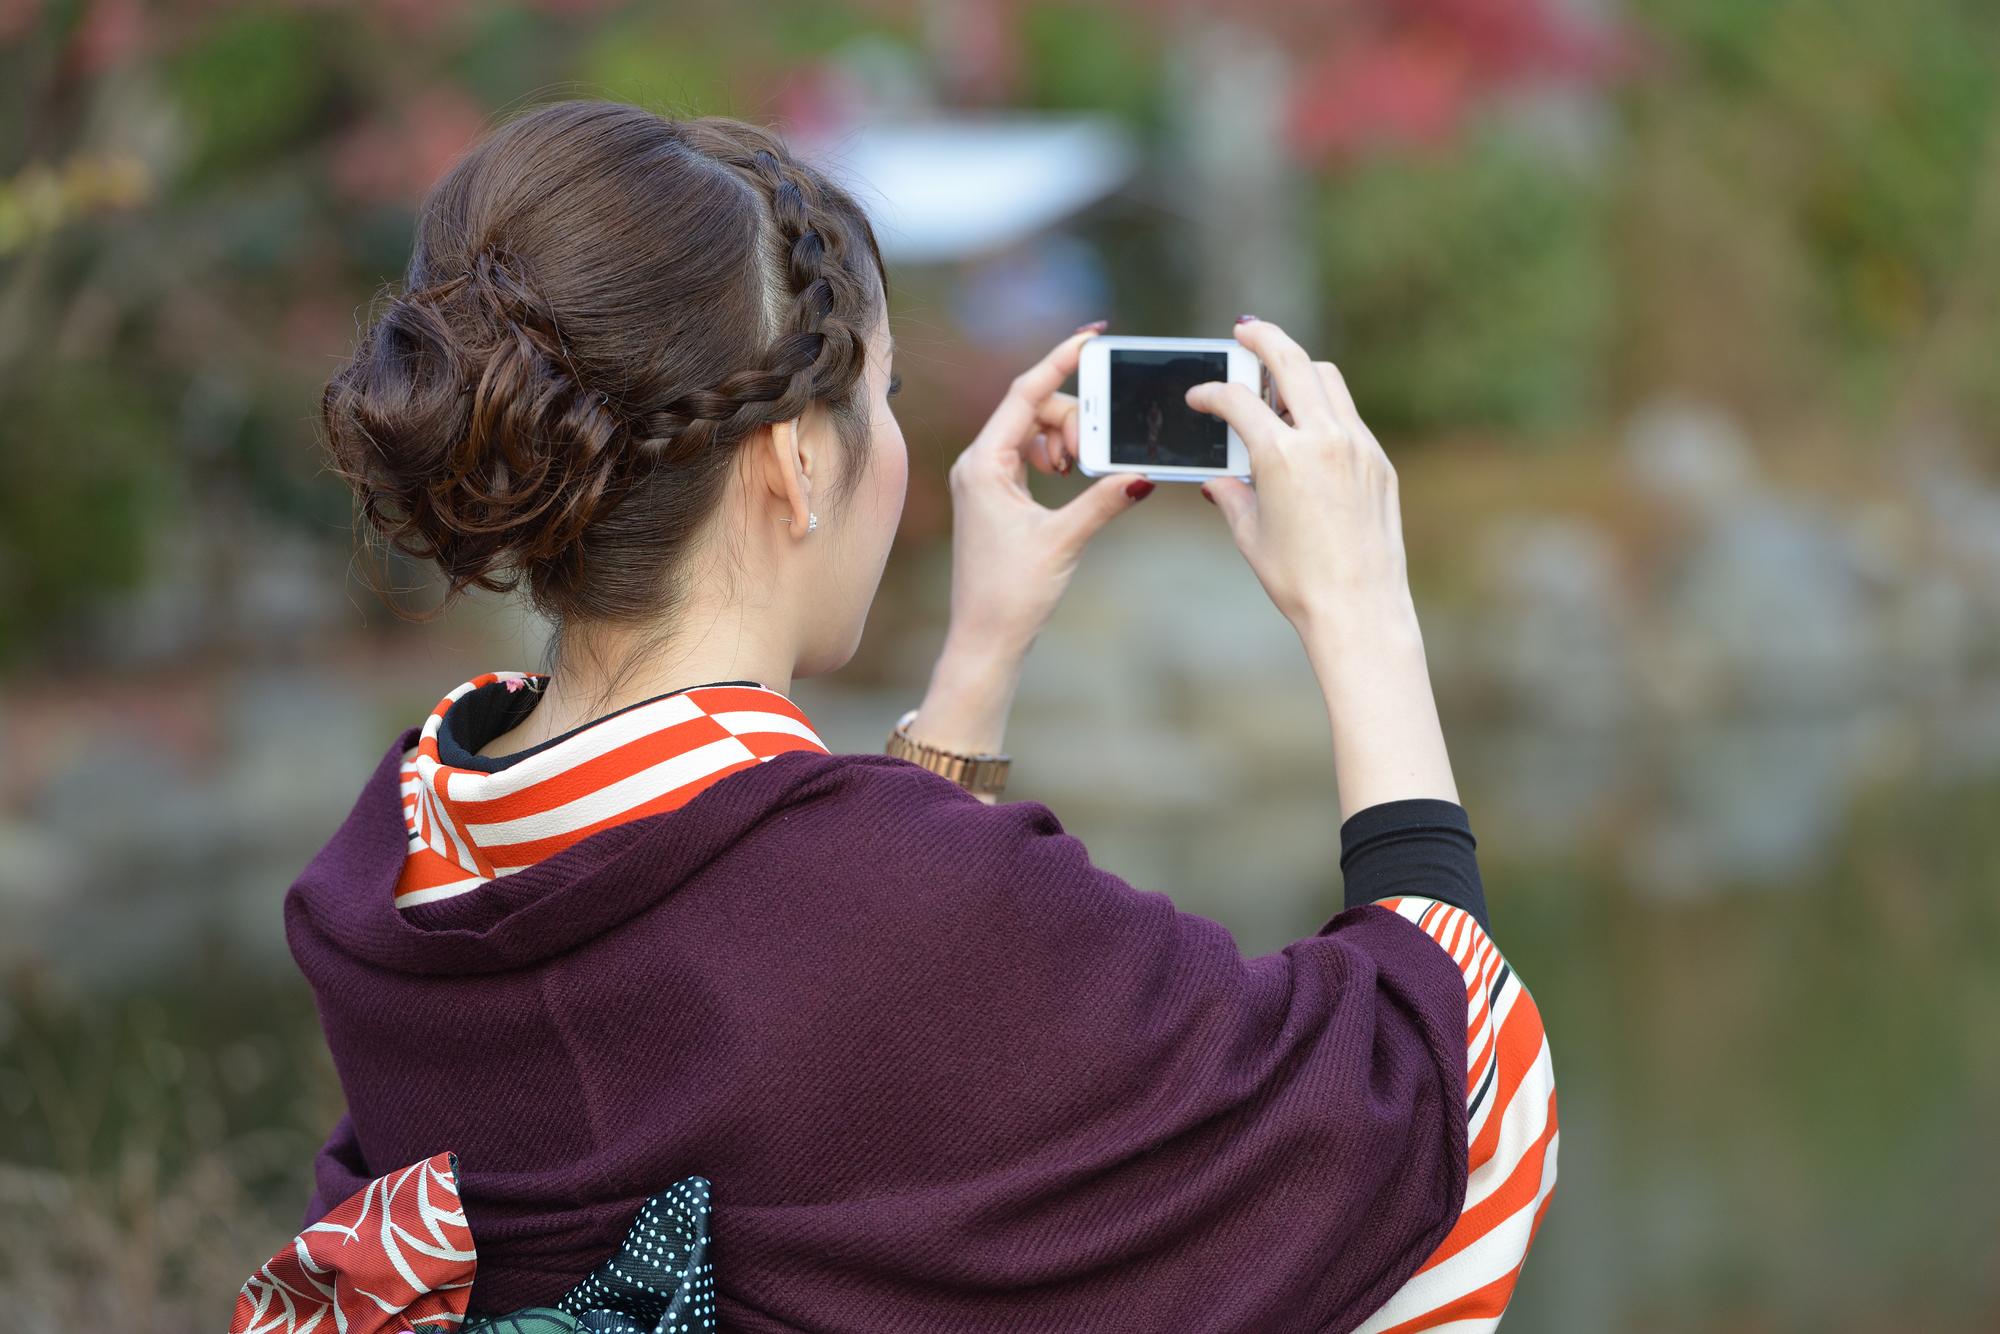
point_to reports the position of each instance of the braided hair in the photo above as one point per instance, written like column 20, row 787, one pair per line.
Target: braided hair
column 602, row 305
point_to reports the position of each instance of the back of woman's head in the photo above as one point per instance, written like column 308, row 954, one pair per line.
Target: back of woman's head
column 601, row 307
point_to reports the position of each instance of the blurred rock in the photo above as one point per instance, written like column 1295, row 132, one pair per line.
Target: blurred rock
column 1556, row 628
column 1770, row 596
column 1717, row 718
column 156, row 819
column 1962, row 514
column 37, row 870
column 1688, row 453
column 1763, row 605
column 1535, row 790
column 1746, row 801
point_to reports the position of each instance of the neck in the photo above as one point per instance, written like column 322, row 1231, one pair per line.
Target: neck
column 604, row 668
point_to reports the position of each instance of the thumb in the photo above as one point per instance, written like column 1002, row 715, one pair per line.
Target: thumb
column 1107, row 498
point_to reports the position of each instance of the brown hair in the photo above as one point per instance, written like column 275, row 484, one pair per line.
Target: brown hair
column 601, row 306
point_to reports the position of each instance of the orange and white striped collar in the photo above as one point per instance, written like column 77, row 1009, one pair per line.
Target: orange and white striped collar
column 468, row 826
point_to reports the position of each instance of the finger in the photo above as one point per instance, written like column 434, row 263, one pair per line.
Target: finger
column 1342, row 400
column 1043, row 454
column 1277, row 402
column 1106, row 499
column 1244, row 409
column 1013, row 421
column 1291, row 370
column 1236, row 498
column 1057, row 416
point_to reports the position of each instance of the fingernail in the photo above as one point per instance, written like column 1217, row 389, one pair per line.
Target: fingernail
column 1205, row 496
column 1064, row 466
column 1140, row 489
column 1246, row 319
column 1095, row 326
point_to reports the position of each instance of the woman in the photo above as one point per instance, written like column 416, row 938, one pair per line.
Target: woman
column 599, row 931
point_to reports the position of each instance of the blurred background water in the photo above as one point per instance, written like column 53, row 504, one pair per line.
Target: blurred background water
column 1678, row 318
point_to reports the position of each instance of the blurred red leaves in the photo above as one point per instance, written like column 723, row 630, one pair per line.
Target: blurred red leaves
column 419, row 18
column 1411, row 90
column 1381, row 72
column 973, row 44
column 398, row 154
column 112, row 33
column 1410, row 71
column 16, row 17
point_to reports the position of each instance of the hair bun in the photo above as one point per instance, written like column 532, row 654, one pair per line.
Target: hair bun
column 469, row 433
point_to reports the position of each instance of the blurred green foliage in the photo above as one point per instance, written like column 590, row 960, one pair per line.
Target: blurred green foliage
column 1466, row 287
column 260, row 83
column 80, row 455
column 1091, row 58
column 230, row 1057
column 1867, row 136
column 710, row 61
column 155, row 1145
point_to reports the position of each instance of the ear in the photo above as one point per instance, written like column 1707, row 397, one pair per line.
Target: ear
column 786, row 477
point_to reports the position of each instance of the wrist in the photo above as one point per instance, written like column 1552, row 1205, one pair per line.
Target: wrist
column 1339, row 632
column 992, row 636
column 1387, row 744
column 970, row 695
column 983, row 775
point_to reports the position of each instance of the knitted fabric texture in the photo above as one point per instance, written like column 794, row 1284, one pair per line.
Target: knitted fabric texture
column 942, row 1071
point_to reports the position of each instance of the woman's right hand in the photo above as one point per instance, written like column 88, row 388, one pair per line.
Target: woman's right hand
column 1322, row 528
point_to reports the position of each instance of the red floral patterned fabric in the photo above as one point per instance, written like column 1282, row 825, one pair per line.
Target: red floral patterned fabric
column 394, row 1258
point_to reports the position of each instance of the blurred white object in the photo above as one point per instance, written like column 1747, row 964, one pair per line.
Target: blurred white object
column 951, row 189
column 1028, row 297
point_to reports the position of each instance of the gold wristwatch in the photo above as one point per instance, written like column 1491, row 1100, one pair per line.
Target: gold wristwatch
column 985, row 775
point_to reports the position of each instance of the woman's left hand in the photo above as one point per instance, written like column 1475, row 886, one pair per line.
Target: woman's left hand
column 1011, row 556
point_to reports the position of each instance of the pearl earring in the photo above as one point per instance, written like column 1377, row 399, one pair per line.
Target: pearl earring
column 812, row 523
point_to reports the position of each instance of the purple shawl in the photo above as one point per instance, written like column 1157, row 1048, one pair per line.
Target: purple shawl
column 943, row 1072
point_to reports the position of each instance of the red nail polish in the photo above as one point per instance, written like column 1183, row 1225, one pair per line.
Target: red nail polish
column 1095, row 326
column 1246, row 319
column 1205, row 496
column 1064, row 466
column 1140, row 489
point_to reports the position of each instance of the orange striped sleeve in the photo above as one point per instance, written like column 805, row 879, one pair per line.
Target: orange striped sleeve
column 1511, row 1138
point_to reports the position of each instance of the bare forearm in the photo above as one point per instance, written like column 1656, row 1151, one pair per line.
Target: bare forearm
column 971, row 693
column 1387, row 742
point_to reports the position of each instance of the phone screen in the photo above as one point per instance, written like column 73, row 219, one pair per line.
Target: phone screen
column 1151, row 423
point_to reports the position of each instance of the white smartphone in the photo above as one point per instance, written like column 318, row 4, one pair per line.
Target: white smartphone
column 1133, row 414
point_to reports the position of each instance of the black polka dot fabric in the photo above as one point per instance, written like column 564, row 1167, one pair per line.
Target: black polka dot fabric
column 660, row 1281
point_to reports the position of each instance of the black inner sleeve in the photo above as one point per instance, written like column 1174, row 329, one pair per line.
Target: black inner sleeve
column 1421, row 848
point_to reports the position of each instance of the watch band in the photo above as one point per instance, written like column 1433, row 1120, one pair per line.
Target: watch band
column 985, row 775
